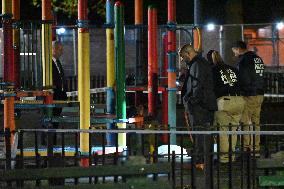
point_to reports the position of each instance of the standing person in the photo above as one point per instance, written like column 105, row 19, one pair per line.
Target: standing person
column 200, row 103
column 59, row 83
column 58, row 79
column 251, row 69
column 230, row 103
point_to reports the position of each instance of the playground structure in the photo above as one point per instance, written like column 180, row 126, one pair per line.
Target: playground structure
column 115, row 86
column 115, row 118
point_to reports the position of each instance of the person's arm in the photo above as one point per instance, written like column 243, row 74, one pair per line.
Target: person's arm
column 244, row 76
column 197, row 79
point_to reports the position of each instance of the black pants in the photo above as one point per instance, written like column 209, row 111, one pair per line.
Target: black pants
column 55, row 112
column 201, row 119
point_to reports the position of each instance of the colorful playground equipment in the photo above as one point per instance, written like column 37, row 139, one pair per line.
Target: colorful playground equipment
column 115, row 62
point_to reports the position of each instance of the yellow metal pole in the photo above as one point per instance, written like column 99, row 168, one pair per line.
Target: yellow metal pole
column 110, row 58
column 6, row 6
column 84, row 77
column 46, row 44
column 84, row 87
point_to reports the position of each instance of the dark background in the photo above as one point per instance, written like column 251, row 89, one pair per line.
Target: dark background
column 254, row 11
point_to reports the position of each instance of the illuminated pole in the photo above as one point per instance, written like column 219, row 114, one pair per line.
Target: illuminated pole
column 9, row 74
column 84, row 76
column 46, row 46
column 110, row 66
column 152, row 61
column 120, row 69
column 172, row 68
column 16, row 41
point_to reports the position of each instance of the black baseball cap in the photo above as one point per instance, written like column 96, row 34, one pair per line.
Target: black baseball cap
column 239, row 44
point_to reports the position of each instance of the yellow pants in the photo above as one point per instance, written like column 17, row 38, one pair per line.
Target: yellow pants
column 230, row 110
column 251, row 115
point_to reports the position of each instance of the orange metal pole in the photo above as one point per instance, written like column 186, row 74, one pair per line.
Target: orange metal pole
column 9, row 118
column 197, row 39
column 46, row 10
column 138, row 12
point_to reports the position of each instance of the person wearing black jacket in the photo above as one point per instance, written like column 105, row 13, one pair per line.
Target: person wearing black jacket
column 200, row 103
column 59, row 82
column 58, row 79
column 251, row 69
column 230, row 103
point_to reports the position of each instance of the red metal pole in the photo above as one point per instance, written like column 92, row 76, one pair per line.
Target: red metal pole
column 172, row 19
column 172, row 10
column 152, row 61
column 172, row 68
column 9, row 73
column 82, row 13
column 54, row 24
column 16, row 41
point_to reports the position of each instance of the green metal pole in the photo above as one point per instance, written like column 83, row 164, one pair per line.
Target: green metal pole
column 120, row 68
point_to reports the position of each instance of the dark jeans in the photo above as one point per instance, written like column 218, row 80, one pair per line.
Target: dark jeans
column 56, row 112
column 201, row 120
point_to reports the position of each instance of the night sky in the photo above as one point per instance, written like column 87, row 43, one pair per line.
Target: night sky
column 254, row 11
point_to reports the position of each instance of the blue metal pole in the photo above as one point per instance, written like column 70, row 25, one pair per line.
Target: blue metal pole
column 110, row 67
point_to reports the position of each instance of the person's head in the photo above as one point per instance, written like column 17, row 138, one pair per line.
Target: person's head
column 57, row 49
column 187, row 53
column 239, row 48
column 209, row 56
column 214, row 57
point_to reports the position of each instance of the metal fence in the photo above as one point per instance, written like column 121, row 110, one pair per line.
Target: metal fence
column 244, row 171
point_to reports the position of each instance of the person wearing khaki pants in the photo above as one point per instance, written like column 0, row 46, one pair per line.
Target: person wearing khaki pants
column 251, row 68
column 250, row 117
column 229, row 114
column 230, row 103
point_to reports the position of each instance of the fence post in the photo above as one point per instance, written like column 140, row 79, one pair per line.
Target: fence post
column 230, row 158
column 173, row 168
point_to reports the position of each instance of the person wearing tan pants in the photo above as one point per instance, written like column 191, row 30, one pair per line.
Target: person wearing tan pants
column 251, row 68
column 229, row 114
column 230, row 103
column 250, row 116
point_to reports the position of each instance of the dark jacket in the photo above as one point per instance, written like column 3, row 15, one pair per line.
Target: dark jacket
column 251, row 69
column 226, row 80
column 198, row 87
column 59, row 82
